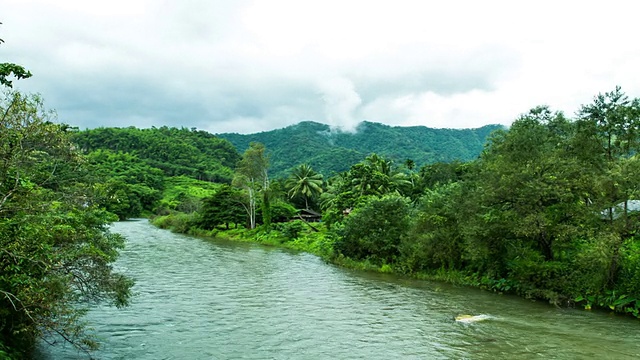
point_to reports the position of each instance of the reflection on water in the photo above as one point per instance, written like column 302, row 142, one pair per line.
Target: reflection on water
column 198, row 299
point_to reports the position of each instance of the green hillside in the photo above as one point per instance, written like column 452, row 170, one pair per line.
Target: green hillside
column 331, row 152
column 196, row 154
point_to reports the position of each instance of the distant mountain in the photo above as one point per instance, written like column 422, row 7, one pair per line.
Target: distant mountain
column 330, row 152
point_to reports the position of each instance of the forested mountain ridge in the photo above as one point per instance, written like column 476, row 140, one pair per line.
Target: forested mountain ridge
column 194, row 153
column 330, row 152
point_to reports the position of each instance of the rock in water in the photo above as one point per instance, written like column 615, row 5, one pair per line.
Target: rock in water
column 471, row 318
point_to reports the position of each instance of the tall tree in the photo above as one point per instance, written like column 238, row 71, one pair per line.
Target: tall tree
column 55, row 248
column 304, row 182
column 252, row 175
column 610, row 128
column 376, row 176
column 223, row 207
column 528, row 196
column 614, row 121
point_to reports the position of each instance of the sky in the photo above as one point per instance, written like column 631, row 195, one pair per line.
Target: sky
column 250, row 66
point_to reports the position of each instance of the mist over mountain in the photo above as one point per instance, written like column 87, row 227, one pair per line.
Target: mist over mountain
column 330, row 151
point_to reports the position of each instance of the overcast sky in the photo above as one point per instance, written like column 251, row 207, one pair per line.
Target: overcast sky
column 249, row 66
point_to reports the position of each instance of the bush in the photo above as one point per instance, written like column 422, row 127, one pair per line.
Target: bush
column 176, row 222
column 282, row 211
column 629, row 276
column 291, row 230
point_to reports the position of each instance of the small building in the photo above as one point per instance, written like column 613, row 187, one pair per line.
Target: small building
column 620, row 209
column 309, row 215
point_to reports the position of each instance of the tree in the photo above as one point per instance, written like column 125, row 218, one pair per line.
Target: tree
column 8, row 69
column 373, row 231
column 609, row 139
column 433, row 175
column 376, row 176
column 126, row 185
column 435, row 238
column 304, row 182
column 223, row 207
column 410, row 164
column 252, row 175
column 56, row 250
column 614, row 121
column 529, row 184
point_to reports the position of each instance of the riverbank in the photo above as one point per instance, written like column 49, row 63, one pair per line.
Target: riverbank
column 294, row 235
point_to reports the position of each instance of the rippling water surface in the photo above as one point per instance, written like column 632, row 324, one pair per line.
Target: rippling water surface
column 198, row 299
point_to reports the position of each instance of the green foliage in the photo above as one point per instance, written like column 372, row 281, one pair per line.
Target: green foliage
column 304, row 183
column 629, row 276
column 252, row 175
column 292, row 229
column 128, row 185
column 331, row 152
column 527, row 172
column 55, row 248
column 222, row 208
column 613, row 121
column 375, row 176
column 435, row 240
column 184, row 194
column 177, row 222
column 374, row 229
column 196, row 154
column 282, row 211
column 8, row 69
column 549, row 210
column 440, row 173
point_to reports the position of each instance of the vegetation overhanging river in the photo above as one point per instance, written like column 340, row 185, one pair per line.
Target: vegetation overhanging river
column 199, row 299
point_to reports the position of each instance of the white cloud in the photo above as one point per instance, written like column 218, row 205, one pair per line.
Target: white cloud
column 249, row 66
column 340, row 103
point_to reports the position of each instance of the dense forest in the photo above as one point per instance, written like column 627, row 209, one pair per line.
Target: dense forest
column 320, row 146
column 188, row 152
column 547, row 209
column 139, row 169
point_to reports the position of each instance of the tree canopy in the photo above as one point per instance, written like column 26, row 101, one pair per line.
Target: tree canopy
column 56, row 250
column 304, row 182
column 252, row 175
column 190, row 152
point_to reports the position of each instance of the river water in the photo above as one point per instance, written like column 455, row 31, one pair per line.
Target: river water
column 201, row 299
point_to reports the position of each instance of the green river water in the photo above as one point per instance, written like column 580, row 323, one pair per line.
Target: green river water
column 198, row 299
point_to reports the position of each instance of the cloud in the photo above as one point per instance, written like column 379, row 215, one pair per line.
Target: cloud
column 340, row 103
column 247, row 66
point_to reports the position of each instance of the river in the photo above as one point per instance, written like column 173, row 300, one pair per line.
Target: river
column 202, row 299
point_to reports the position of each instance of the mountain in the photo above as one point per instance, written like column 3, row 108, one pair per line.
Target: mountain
column 330, row 152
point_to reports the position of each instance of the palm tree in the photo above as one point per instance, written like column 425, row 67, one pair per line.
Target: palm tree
column 376, row 176
column 305, row 182
column 410, row 164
